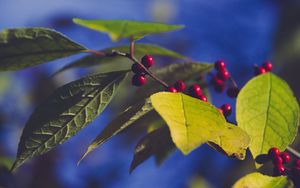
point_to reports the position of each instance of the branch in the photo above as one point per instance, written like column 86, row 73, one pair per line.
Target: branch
column 293, row 151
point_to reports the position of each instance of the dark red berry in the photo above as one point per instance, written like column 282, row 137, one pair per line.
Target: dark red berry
column 273, row 152
column 259, row 70
column 232, row 92
column 277, row 160
column 137, row 68
column 147, row 61
column 267, row 66
column 138, row 80
column 226, row 109
column 223, row 75
column 202, row 98
column 195, row 90
column 179, row 85
column 172, row 89
column 286, row 158
column 220, row 65
column 218, row 84
column 297, row 162
column 279, row 170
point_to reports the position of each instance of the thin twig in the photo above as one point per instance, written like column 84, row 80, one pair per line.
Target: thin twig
column 293, row 151
column 233, row 82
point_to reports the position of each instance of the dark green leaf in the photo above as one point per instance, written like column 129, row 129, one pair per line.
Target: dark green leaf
column 68, row 110
column 157, row 143
column 118, row 29
column 121, row 122
column 22, row 48
column 140, row 51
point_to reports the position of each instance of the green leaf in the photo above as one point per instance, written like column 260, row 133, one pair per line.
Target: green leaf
column 234, row 142
column 118, row 29
column 192, row 122
column 22, row 48
column 267, row 110
column 257, row 180
column 156, row 143
column 68, row 110
column 140, row 51
column 121, row 122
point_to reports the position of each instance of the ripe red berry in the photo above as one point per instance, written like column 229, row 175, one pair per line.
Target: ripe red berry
column 179, row 85
column 202, row 98
column 220, row 65
column 273, row 152
column 277, row 160
column 218, row 84
column 297, row 162
column 226, row 109
column 147, row 61
column 172, row 89
column 259, row 70
column 232, row 92
column 267, row 66
column 279, row 170
column 286, row 158
column 195, row 90
column 138, row 80
column 223, row 75
column 137, row 68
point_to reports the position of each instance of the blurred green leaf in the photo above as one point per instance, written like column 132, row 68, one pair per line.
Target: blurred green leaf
column 121, row 122
column 140, row 51
column 6, row 162
column 26, row 47
column 68, row 110
column 268, row 111
column 118, row 29
column 234, row 142
column 156, row 143
column 257, row 180
column 191, row 121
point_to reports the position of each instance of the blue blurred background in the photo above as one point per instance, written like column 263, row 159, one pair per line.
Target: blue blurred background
column 242, row 33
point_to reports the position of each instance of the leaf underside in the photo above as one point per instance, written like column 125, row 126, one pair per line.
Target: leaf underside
column 268, row 112
column 118, row 29
column 26, row 47
column 69, row 109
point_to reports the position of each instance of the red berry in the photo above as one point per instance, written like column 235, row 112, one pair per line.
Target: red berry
column 221, row 111
column 218, row 84
column 179, row 85
column 202, row 98
column 277, row 160
column 138, row 80
column 279, row 170
column 267, row 66
column 273, row 152
column 259, row 70
column 172, row 89
column 297, row 162
column 137, row 68
column 223, row 75
column 232, row 92
column 226, row 109
column 147, row 61
column 195, row 90
column 286, row 158
column 220, row 65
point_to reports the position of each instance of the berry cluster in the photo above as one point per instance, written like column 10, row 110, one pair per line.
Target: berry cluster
column 139, row 77
column 221, row 77
column 280, row 160
column 265, row 67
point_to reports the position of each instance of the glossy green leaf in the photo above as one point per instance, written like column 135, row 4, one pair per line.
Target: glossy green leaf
column 156, row 143
column 68, row 110
column 234, row 142
column 121, row 122
column 192, row 122
column 118, row 29
column 267, row 110
column 140, row 51
column 26, row 47
column 257, row 180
